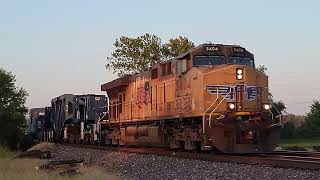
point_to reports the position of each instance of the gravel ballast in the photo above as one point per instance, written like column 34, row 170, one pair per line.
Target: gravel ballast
column 146, row 166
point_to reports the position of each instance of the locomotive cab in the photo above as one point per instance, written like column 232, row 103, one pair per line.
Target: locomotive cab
column 233, row 98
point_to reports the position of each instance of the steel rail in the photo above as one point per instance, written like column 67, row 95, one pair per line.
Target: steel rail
column 296, row 160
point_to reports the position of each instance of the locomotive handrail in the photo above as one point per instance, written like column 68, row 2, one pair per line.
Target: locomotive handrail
column 221, row 102
column 280, row 114
column 218, row 106
column 204, row 114
column 214, row 102
column 271, row 114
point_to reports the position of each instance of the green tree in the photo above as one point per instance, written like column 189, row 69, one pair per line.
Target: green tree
column 12, row 110
column 297, row 120
column 277, row 107
column 262, row 68
column 288, row 130
column 177, row 46
column 136, row 55
column 311, row 126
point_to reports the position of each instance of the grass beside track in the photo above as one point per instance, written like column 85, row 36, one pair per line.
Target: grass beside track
column 305, row 143
column 25, row 169
column 5, row 152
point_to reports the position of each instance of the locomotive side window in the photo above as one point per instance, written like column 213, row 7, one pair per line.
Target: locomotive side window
column 181, row 66
column 146, row 86
column 184, row 66
column 166, row 69
column 241, row 61
column 163, row 69
column 154, row 73
column 169, row 68
column 209, row 60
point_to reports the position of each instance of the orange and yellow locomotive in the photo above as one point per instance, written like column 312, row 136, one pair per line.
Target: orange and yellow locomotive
column 209, row 98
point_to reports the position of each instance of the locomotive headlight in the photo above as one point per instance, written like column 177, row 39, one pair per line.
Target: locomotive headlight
column 266, row 106
column 231, row 106
column 239, row 72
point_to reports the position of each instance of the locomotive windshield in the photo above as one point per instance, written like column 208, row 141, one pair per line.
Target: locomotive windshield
column 209, row 60
column 241, row 61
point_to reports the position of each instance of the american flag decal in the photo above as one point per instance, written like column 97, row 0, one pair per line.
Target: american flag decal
column 222, row 90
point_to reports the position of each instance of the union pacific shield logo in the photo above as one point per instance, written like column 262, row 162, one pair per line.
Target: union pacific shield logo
column 252, row 92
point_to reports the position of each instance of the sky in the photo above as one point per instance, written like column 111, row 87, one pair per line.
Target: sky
column 57, row 47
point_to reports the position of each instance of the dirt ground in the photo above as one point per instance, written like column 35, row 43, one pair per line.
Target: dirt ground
column 32, row 169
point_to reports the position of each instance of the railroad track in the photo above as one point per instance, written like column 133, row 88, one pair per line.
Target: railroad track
column 283, row 159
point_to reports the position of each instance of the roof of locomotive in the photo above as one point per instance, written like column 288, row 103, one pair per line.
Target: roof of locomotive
column 124, row 81
column 202, row 46
column 72, row 96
